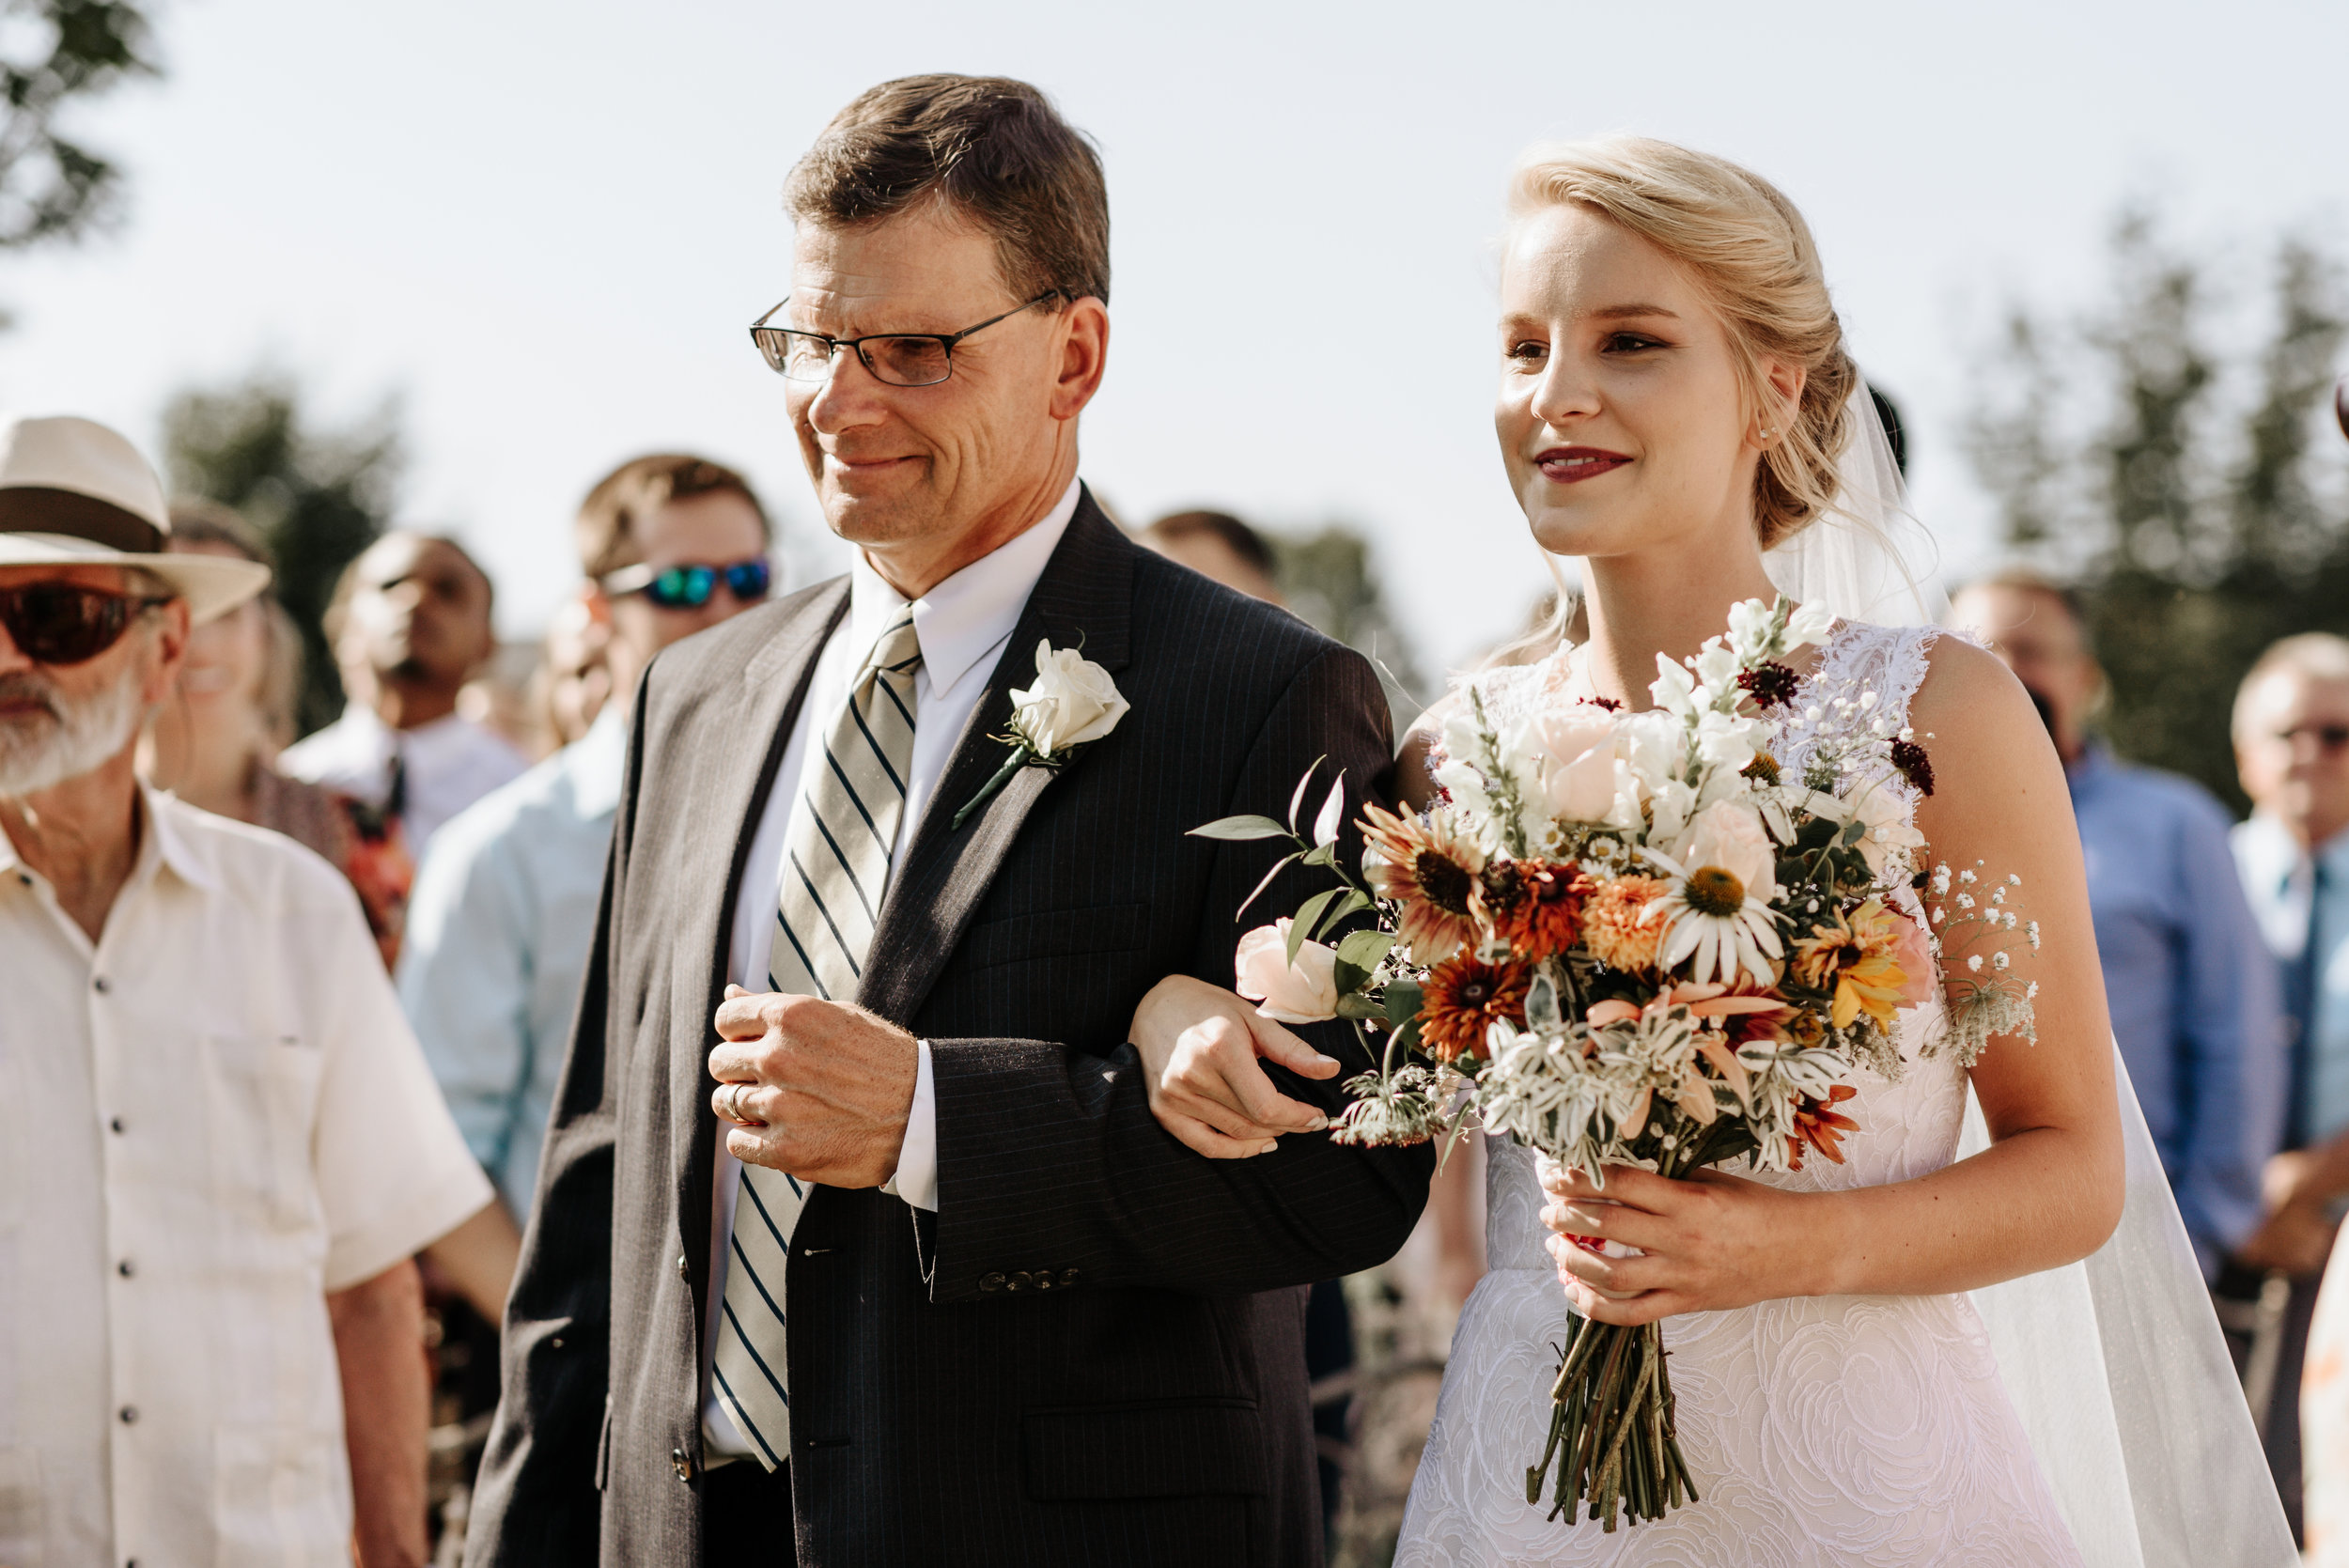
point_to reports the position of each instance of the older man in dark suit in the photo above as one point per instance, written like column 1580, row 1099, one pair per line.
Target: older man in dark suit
column 1024, row 1325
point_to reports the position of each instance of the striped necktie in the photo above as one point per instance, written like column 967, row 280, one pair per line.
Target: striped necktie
column 836, row 856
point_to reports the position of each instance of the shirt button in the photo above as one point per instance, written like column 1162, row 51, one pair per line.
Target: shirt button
column 681, row 1464
column 116, row 1124
column 992, row 1281
column 99, row 984
column 130, row 1414
column 126, row 1268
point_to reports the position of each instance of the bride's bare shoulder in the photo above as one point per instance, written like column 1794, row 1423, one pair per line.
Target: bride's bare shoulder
column 1412, row 778
column 1980, row 726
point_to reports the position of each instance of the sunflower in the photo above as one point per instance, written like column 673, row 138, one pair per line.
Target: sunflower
column 1535, row 906
column 1819, row 1126
column 1463, row 998
column 1430, row 868
column 1713, row 925
column 1615, row 927
column 1853, row 957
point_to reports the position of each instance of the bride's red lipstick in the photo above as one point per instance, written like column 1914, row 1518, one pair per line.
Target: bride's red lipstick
column 1568, row 465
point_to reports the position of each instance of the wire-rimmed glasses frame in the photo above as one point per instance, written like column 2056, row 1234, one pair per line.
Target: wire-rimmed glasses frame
column 903, row 359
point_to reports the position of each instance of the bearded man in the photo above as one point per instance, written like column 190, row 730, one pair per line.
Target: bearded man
column 219, row 1144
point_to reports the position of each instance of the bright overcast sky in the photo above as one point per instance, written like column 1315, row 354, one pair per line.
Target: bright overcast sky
column 545, row 227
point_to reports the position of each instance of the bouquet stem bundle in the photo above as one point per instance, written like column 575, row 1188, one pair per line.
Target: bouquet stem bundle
column 1612, row 1430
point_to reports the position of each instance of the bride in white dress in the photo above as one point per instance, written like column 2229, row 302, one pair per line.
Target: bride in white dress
column 1677, row 409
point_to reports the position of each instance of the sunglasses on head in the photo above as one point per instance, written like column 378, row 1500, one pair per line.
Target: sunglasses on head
column 57, row 623
column 688, row 586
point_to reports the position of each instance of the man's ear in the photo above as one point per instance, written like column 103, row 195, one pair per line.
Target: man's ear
column 169, row 650
column 599, row 604
column 1084, row 354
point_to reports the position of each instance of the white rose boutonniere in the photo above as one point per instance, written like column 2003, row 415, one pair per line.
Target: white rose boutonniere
column 1073, row 703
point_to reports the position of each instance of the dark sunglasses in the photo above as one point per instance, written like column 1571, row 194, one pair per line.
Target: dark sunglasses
column 57, row 623
column 2330, row 738
column 688, row 586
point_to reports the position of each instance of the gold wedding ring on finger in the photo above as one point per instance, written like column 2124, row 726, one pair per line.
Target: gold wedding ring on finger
column 727, row 1103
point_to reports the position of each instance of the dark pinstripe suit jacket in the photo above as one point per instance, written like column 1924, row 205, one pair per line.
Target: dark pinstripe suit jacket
column 1093, row 1354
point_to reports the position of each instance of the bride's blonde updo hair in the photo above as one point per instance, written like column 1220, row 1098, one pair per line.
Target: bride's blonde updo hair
column 1751, row 252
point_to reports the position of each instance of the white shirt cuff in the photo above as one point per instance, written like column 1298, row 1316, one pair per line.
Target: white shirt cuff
column 916, row 1180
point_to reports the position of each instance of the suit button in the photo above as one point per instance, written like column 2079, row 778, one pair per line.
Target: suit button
column 681, row 1464
column 992, row 1281
column 1068, row 1277
column 681, row 1266
column 1044, row 1279
column 1019, row 1282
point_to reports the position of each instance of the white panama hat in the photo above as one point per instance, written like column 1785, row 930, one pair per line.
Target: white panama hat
column 73, row 492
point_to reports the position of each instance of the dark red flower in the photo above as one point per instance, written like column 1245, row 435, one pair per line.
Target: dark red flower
column 1771, row 685
column 1914, row 765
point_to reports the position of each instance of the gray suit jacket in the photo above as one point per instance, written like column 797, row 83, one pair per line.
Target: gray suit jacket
column 1092, row 1353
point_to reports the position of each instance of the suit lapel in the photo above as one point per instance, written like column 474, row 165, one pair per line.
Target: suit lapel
column 1084, row 596
column 774, row 685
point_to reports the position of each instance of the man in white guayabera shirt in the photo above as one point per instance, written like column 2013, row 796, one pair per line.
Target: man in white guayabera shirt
column 219, row 1144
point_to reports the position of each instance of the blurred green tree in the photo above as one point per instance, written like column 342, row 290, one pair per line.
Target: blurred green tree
column 55, row 54
column 1331, row 580
column 2179, row 487
column 320, row 498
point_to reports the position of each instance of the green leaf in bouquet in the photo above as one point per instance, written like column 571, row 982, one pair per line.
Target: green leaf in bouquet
column 1403, row 1002
column 1320, row 854
column 1351, row 1006
column 1240, row 827
column 1302, row 925
column 1354, row 903
column 1365, row 949
column 1261, row 886
column 1297, row 799
column 1853, row 833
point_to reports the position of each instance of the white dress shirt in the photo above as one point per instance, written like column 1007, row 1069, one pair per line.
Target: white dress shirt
column 209, row 1120
column 450, row 763
column 962, row 625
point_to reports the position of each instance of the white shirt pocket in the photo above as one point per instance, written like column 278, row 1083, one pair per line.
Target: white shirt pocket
column 262, row 1097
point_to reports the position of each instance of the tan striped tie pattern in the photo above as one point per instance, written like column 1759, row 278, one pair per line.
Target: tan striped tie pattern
column 835, row 869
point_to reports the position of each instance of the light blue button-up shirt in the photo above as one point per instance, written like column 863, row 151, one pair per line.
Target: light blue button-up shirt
column 2195, row 1003
column 2276, row 877
column 499, row 926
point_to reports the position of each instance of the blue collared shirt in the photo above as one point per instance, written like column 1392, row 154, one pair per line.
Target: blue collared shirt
column 499, row 926
column 2194, row 999
column 2278, row 878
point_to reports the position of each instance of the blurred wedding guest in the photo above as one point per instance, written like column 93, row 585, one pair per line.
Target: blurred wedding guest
column 573, row 681
column 409, row 625
column 2194, row 1005
column 214, row 742
column 1219, row 546
column 504, row 910
column 2292, row 745
column 227, row 1143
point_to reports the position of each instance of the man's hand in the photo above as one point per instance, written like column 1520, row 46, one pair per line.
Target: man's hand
column 1199, row 1046
column 826, row 1086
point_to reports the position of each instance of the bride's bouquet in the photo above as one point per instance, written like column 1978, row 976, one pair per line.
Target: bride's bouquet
column 1632, row 939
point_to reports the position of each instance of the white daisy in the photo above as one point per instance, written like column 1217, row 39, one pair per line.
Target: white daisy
column 1713, row 922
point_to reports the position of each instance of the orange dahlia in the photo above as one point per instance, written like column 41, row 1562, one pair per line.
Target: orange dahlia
column 1464, row 997
column 1856, row 958
column 1535, row 906
column 1819, row 1126
column 1615, row 926
column 1430, row 868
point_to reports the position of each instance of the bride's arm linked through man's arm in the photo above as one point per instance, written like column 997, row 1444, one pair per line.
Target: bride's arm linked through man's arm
column 2046, row 1192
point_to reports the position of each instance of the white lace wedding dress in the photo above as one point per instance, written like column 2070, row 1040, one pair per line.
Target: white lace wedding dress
column 1824, row 1430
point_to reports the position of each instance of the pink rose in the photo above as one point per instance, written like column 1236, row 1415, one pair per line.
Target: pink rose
column 1578, row 749
column 1913, row 951
column 1303, row 992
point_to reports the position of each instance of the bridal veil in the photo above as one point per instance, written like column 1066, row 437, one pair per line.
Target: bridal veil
column 2115, row 1363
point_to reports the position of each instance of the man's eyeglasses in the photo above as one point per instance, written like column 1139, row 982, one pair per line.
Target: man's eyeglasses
column 688, row 585
column 898, row 359
column 2328, row 738
column 57, row 623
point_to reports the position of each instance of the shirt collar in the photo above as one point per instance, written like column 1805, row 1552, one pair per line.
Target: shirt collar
column 969, row 613
column 2276, row 855
column 597, row 762
column 159, row 839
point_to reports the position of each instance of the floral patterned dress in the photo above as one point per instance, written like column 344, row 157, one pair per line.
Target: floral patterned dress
column 1822, row 1430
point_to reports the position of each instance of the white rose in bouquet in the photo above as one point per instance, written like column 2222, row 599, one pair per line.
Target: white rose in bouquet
column 1728, row 834
column 1303, row 992
column 1577, row 748
column 1073, row 702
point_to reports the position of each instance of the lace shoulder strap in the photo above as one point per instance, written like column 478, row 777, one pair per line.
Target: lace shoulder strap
column 1877, row 669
